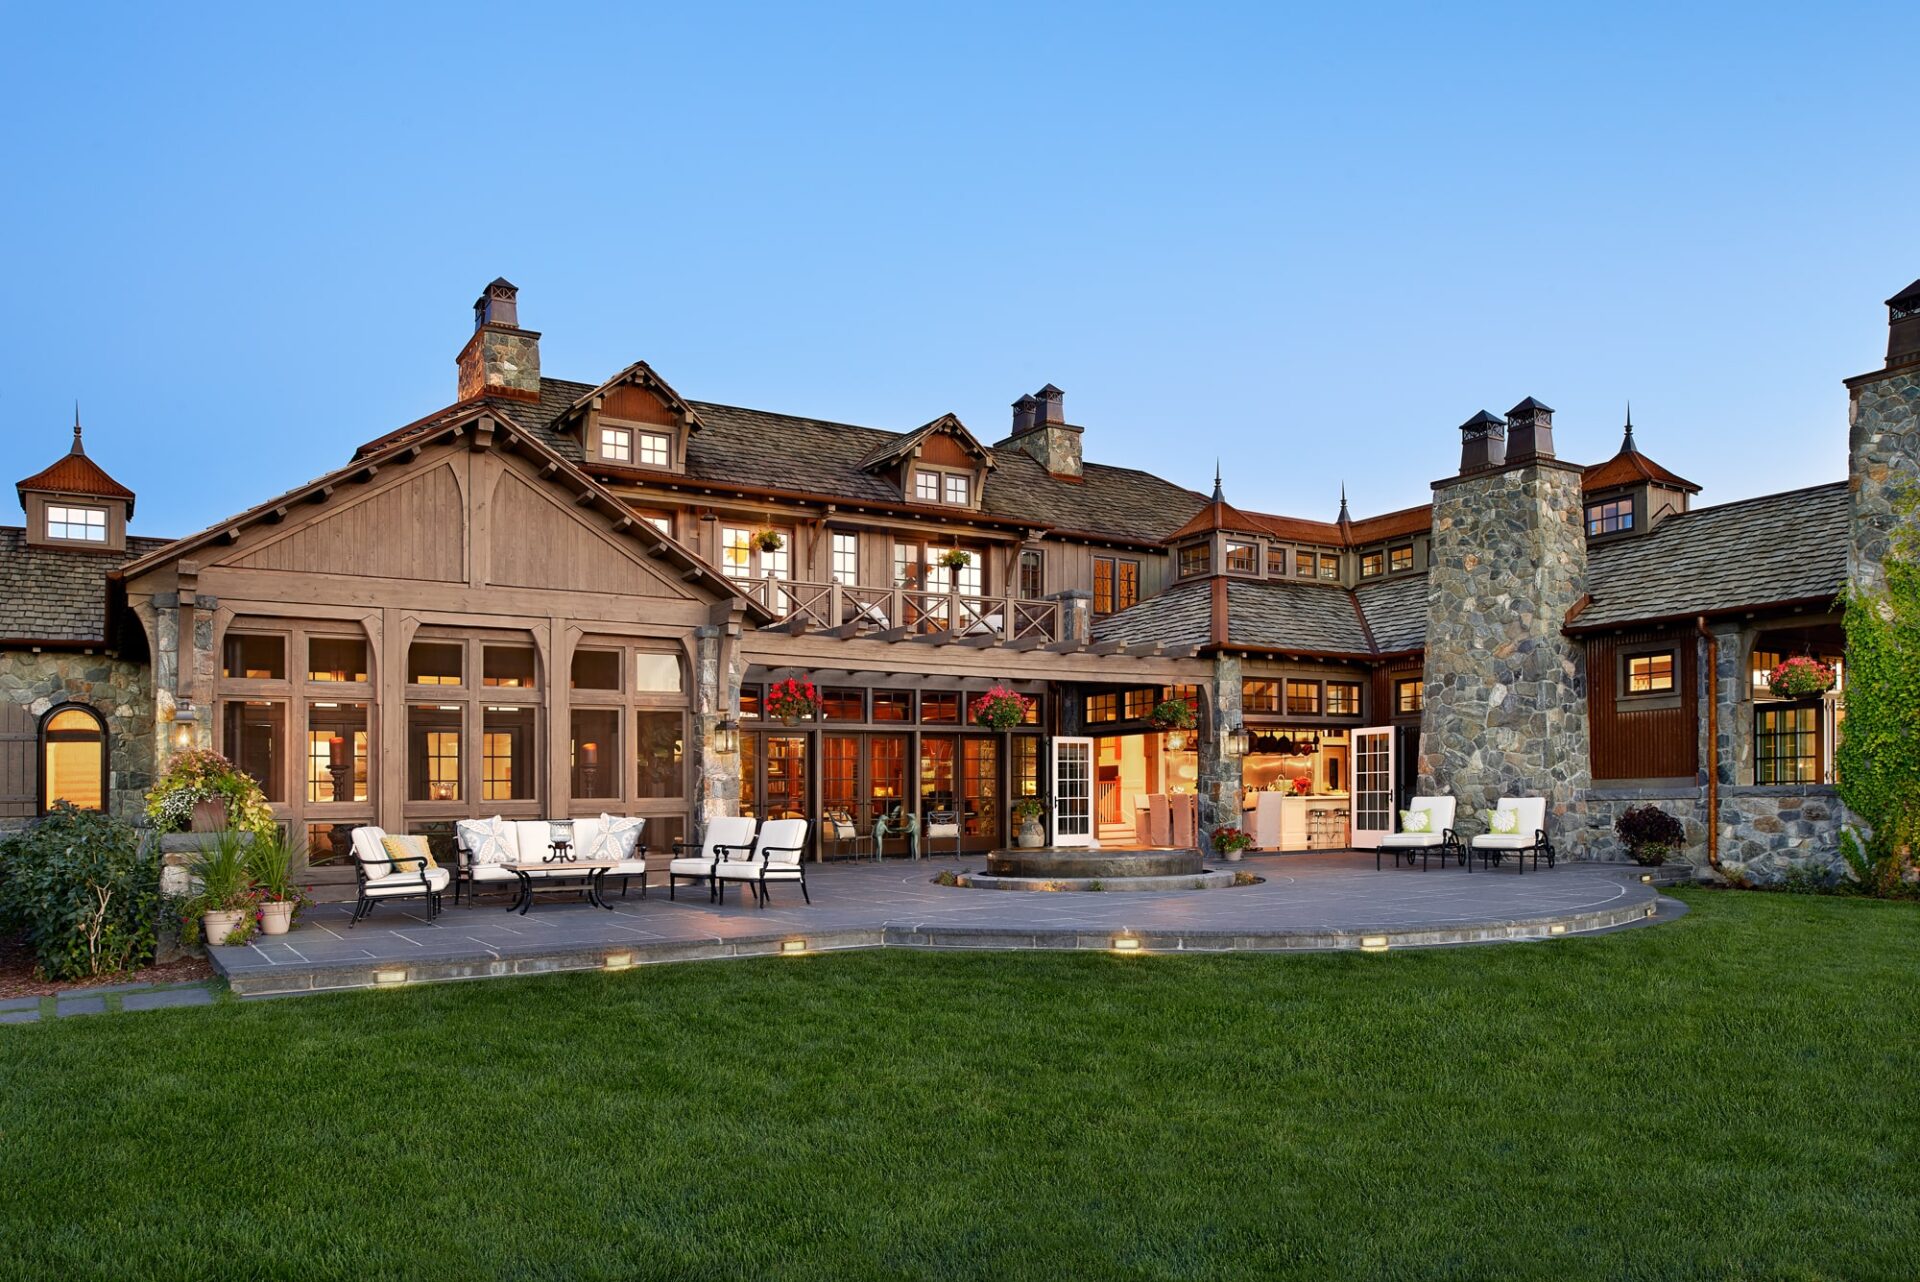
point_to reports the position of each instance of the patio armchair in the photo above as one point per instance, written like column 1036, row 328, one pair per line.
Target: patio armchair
column 1439, row 836
column 1528, row 835
column 378, row 879
column 727, row 838
column 845, row 833
column 779, row 854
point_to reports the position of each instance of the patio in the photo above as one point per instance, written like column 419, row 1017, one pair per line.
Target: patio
column 1322, row 901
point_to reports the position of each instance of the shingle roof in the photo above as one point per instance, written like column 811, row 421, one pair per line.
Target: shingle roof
column 1780, row 547
column 57, row 594
column 1182, row 615
column 1279, row 614
column 1396, row 611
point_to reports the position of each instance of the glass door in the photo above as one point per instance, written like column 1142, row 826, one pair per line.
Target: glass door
column 1072, row 792
column 1372, row 786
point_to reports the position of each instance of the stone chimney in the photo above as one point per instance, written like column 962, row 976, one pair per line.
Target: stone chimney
column 1047, row 436
column 1883, row 449
column 1483, row 443
column 1903, row 327
column 1529, row 431
column 501, row 359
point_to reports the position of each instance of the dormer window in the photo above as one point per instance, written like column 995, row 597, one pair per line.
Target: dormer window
column 76, row 524
column 632, row 445
column 616, row 444
column 1193, row 560
column 1372, row 564
column 1614, row 516
column 1400, row 560
column 936, row 485
column 1242, row 558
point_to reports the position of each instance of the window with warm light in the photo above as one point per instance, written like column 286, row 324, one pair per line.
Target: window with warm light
column 736, row 551
column 1400, row 560
column 1409, row 695
column 336, row 767
column 616, row 444
column 1194, row 559
column 78, row 524
column 1329, row 566
column 73, row 759
column 1102, row 708
column 253, row 736
column 336, row 659
column 1242, row 558
column 1786, row 744
column 1761, row 666
column 1610, row 517
column 1650, row 673
column 844, row 558
column 1343, row 699
column 507, row 667
column 506, row 754
column 1116, row 584
column 1305, row 564
column 1032, row 574
column 1303, row 697
column 433, row 752
column 434, row 663
column 1259, row 696
column 251, row 657
column 1372, row 565
column 594, row 754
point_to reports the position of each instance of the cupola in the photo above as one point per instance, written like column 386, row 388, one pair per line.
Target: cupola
column 75, row 504
column 1903, row 327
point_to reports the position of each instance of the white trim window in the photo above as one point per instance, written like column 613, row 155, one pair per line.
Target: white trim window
column 845, row 558
column 616, row 444
column 656, row 449
column 77, row 524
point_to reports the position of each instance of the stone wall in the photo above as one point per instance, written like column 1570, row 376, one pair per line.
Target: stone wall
column 120, row 691
column 1505, row 698
column 1883, row 460
column 1219, row 783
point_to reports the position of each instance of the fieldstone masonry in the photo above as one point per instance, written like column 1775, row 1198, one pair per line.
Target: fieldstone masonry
column 1505, row 706
column 1219, row 783
column 1884, row 461
column 119, row 690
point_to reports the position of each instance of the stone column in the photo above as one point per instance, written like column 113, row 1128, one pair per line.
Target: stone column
column 1883, row 462
column 716, row 699
column 1505, row 710
column 1076, row 614
column 1220, row 775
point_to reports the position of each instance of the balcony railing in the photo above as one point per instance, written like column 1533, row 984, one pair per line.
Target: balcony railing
column 906, row 612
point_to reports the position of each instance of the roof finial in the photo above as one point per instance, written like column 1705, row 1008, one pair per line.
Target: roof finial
column 1627, row 444
column 1343, row 500
column 1219, row 495
column 77, row 448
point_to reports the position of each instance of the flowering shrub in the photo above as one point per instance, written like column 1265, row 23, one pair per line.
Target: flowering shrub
column 792, row 700
column 1799, row 678
column 1174, row 714
column 1000, row 708
column 205, row 775
column 1228, row 840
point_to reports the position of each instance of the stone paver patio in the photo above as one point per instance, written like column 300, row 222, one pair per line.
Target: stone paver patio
column 1326, row 901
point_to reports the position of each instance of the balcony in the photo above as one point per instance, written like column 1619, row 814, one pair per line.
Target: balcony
column 897, row 614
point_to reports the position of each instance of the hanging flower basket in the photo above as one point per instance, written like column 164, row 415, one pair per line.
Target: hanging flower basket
column 956, row 559
column 770, row 540
column 1174, row 714
column 794, row 699
column 1800, row 677
column 1000, row 708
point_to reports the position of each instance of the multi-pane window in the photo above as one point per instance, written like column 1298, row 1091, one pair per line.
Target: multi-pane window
column 1193, row 560
column 1259, row 696
column 1139, row 704
column 1762, row 665
column 1343, row 699
column 844, row 558
column 336, row 659
column 656, row 448
column 1116, row 583
column 253, row 657
column 73, row 759
column 1372, row 565
column 1243, row 558
column 959, row 488
column 1102, row 707
column 616, row 444
column 1400, row 559
column 1786, row 744
column 1303, row 696
column 1329, row 566
column 84, row 524
column 1610, row 517
column 1305, row 564
column 926, row 486
column 660, row 521
column 1409, row 695
column 940, row 707
column 742, row 556
column 336, row 751
column 1032, row 574
column 1650, row 673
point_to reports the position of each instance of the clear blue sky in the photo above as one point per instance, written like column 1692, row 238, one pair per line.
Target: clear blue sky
column 1310, row 240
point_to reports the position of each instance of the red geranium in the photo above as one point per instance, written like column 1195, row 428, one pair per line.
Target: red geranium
column 793, row 700
column 1000, row 708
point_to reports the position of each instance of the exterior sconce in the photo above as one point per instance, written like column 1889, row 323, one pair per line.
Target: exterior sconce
column 1235, row 742
column 726, row 739
column 184, row 715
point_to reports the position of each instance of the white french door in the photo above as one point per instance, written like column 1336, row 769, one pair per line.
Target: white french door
column 1072, row 792
column 1372, row 801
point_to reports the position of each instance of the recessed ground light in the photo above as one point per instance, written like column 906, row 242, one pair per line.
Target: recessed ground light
column 793, row 945
column 619, row 961
column 1373, row 943
column 1651, row 910
column 1125, row 944
column 389, row 976
column 1558, row 928
column 1647, row 877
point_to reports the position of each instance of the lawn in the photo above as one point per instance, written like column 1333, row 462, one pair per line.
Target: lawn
column 1736, row 1094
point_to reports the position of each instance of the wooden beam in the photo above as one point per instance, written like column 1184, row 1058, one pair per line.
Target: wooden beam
column 320, row 494
column 659, row 550
column 984, row 641
column 1144, row 649
column 1065, row 647
column 367, row 473
column 1107, row 647
column 278, row 514
column 796, row 626
column 692, row 574
column 894, row 634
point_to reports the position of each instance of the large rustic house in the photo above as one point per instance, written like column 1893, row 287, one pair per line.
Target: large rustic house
column 557, row 597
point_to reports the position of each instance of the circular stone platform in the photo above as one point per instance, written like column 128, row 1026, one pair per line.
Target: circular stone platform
column 1205, row 879
column 1087, row 861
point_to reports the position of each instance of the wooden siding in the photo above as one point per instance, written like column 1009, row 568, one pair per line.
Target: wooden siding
column 409, row 530
column 942, row 450
column 19, row 779
column 1651, row 743
column 632, row 404
column 537, row 542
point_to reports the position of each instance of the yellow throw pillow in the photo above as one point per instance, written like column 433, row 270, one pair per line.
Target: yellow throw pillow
column 408, row 853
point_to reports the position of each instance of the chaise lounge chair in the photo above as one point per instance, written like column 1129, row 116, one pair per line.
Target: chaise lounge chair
column 1526, row 835
column 1438, row 835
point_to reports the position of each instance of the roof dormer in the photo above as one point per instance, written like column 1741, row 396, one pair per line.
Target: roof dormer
column 632, row 423
column 75, row 504
column 1630, row 493
column 940, row 464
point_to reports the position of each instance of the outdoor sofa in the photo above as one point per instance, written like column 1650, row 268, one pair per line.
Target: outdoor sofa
column 483, row 849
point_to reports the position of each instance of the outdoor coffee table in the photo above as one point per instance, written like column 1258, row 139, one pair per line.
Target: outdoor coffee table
column 536, row 877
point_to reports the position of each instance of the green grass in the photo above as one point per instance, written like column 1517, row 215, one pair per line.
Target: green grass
column 1733, row 1095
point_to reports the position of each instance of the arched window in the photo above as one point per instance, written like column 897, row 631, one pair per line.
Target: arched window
column 73, row 758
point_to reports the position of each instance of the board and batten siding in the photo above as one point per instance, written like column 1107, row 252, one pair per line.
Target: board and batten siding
column 406, row 531
column 1648, row 742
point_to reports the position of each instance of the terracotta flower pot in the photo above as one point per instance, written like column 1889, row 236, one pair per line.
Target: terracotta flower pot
column 210, row 815
column 216, row 926
column 276, row 916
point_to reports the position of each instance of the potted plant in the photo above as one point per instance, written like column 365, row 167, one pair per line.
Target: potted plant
column 1028, row 811
column 1229, row 842
column 1650, row 834
column 220, row 906
column 1801, row 677
column 201, row 788
column 1000, row 708
column 1173, row 714
column 956, row 558
column 1302, row 786
column 794, row 699
column 272, row 861
column 769, row 540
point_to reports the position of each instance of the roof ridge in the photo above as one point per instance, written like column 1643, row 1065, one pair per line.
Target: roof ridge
column 1753, row 498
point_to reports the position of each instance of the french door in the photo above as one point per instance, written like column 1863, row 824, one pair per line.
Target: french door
column 1072, row 792
column 1373, row 794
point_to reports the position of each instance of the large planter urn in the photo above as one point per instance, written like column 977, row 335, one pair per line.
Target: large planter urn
column 210, row 815
column 216, row 926
column 276, row 916
column 1032, row 835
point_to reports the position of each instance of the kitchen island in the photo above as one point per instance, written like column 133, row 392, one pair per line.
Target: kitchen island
column 1285, row 821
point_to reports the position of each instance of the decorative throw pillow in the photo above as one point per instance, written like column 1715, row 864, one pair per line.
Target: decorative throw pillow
column 485, row 840
column 1416, row 821
column 408, row 853
column 1503, row 822
column 617, row 840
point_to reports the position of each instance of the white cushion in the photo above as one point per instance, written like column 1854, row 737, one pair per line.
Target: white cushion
column 735, row 831
column 628, row 868
column 368, row 850
column 690, row 867
column 493, row 872
column 737, row 870
column 1502, row 841
column 399, row 883
column 782, row 841
column 488, row 841
column 532, row 839
column 587, row 835
column 614, row 837
column 1411, row 840
column 1531, row 813
column 781, row 872
column 1439, row 809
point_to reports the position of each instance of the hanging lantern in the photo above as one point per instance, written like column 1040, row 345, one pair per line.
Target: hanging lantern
column 1234, row 742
